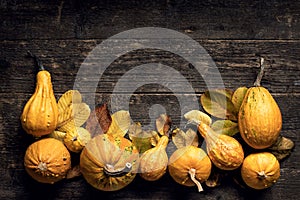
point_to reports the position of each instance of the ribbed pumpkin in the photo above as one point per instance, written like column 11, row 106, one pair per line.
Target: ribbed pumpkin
column 224, row 151
column 47, row 160
column 259, row 118
column 109, row 163
column 40, row 114
column 154, row 161
column 189, row 166
column 260, row 170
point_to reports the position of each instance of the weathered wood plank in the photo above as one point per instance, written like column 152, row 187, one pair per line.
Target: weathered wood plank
column 237, row 62
column 215, row 19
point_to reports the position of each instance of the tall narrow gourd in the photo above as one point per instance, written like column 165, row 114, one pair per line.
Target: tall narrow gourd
column 259, row 116
column 40, row 114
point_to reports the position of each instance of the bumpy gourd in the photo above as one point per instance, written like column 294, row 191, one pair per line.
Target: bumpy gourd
column 224, row 151
column 47, row 160
column 154, row 161
column 190, row 166
column 260, row 170
column 40, row 114
column 109, row 163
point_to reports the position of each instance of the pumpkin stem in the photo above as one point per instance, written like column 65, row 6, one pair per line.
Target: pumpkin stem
column 111, row 171
column 192, row 173
column 42, row 166
column 261, row 175
column 260, row 74
column 37, row 60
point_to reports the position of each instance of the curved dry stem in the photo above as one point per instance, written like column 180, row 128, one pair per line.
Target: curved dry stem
column 111, row 171
column 260, row 74
column 192, row 173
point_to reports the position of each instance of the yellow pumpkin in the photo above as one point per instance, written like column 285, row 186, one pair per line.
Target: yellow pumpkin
column 47, row 160
column 40, row 114
column 259, row 118
column 189, row 166
column 154, row 161
column 260, row 170
column 109, row 163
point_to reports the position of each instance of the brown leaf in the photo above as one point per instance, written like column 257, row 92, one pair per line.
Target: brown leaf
column 218, row 103
column 163, row 124
column 104, row 117
column 73, row 172
column 99, row 120
column 282, row 148
column 226, row 127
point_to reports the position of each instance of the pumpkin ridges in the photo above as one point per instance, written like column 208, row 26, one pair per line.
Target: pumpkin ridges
column 44, row 166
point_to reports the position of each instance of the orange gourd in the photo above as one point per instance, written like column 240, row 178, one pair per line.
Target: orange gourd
column 40, row 114
column 260, row 170
column 189, row 166
column 47, row 160
column 109, row 163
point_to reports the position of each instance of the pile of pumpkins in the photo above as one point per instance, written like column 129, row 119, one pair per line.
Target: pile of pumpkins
column 109, row 161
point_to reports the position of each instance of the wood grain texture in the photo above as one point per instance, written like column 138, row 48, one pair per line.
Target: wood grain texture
column 63, row 33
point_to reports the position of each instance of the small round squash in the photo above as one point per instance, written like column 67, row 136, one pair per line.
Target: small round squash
column 109, row 163
column 47, row 160
column 189, row 166
column 260, row 170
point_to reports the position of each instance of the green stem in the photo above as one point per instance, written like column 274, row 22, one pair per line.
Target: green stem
column 260, row 74
column 37, row 61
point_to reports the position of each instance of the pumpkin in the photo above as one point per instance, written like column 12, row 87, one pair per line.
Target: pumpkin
column 260, row 170
column 154, row 161
column 259, row 118
column 189, row 166
column 224, row 151
column 47, row 160
column 109, row 163
column 40, row 114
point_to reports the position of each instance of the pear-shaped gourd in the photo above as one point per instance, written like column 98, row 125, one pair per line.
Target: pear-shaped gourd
column 224, row 151
column 259, row 116
column 154, row 161
column 40, row 114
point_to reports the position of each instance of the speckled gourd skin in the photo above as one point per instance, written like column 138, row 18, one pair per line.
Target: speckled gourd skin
column 259, row 118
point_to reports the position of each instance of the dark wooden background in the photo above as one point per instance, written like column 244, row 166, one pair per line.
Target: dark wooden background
column 62, row 33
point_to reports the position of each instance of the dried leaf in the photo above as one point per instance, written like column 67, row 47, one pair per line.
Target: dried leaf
column 59, row 135
column 179, row 138
column 218, row 103
column 214, row 179
column 120, row 123
column 191, row 138
column 73, row 172
column 226, row 127
column 238, row 97
column 74, row 116
column 163, row 124
column 99, row 120
column 65, row 101
column 182, row 139
column 196, row 116
column 282, row 148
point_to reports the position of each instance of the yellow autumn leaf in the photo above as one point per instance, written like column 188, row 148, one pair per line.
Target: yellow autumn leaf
column 120, row 123
column 196, row 116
